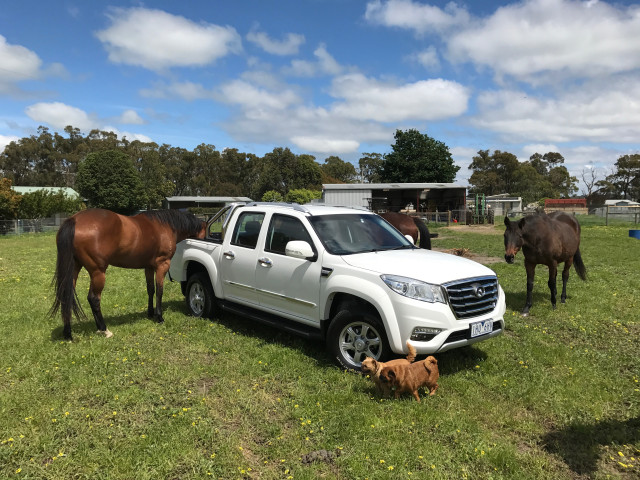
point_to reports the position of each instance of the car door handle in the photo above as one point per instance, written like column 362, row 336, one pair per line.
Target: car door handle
column 265, row 262
column 230, row 255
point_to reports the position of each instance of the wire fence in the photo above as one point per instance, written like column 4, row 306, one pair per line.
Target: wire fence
column 24, row 226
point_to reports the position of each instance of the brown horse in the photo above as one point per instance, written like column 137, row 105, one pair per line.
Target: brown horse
column 95, row 239
column 412, row 226
column 547, row 240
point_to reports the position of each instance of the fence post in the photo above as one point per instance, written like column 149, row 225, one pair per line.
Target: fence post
column 448, row 217
column 607, row 217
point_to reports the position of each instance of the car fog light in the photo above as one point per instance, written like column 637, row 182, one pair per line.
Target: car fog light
column 424, row 334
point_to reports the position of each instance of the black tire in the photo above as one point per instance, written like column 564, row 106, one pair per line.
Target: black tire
column 354, row 336
column 199, row 296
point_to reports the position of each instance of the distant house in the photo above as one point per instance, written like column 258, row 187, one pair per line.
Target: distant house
column 577, row 206
column 504, row 203
column 69, row 192
column 620, row 209
column 620, row 203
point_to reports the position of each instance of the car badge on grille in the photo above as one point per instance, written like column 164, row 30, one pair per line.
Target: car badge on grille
column 478, row 290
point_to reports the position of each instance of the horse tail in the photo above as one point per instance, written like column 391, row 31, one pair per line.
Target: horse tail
column 425, row 236
column 580, row 268
column 66, row 299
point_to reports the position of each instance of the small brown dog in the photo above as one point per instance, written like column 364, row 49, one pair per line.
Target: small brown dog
column 373, row 368
column 409, row 378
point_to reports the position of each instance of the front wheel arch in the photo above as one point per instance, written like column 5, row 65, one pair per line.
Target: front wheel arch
column 199, row 296
column 354, row 334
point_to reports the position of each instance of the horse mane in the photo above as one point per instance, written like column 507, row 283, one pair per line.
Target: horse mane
column 177, row 220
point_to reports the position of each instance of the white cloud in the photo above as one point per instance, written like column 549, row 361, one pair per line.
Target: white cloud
column 131, row 117
column 275, row 113
column 6, row 140
column 17, row 64
column 536, row 37
column 371, row 99
column 128, row 135
column 256, row 99
column 288, row 46
column 188, row 91
column 531, row 40
column 428, row 58
column 59, row 115
column 420, row 18
column 157, row 40
column 325, row 145
column 592, row 113
column 324, row 65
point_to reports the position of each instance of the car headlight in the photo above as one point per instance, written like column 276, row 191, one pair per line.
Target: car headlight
column 415, row 289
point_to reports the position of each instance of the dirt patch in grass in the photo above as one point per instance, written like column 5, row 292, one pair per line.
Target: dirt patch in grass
column 466, row 253
column 481, row 229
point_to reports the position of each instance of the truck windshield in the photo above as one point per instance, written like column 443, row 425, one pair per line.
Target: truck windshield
column 346, row 234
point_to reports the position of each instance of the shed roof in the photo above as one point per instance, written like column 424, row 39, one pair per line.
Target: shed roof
column 388, row 186
column 620, row 202
column 69, row 192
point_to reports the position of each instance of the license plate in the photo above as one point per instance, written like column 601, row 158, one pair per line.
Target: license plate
column 481, row 328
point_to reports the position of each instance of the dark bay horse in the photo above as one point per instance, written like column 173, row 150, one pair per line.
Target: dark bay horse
column 412, row 226
column 547, row 240
column 96, row 238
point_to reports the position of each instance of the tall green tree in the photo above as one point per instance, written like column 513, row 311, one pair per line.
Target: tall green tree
column 493, row 173
column 339, row 170
column 501, row 172
column 370, row 165
column 152, row 172
column 418, row 158
column 281, row 170
column 110, row 180
column 625, row 180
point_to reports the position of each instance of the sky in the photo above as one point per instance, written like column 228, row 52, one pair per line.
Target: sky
column 331, row 77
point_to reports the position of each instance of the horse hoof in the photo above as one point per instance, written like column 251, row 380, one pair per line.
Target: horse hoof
column 525, row 314
column 106, row 333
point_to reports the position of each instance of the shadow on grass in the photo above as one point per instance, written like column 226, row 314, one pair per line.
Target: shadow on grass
column 580, row 444
column 88, row 327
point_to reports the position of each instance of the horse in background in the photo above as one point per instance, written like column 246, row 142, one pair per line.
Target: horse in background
column 412, row 226
column 97, row 238
column 547, row 240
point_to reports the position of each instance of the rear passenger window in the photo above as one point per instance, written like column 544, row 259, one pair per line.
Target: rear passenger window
column 247, row 229
column 284, row 229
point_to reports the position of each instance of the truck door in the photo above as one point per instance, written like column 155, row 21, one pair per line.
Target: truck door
column 239, row 259
column 285, row 285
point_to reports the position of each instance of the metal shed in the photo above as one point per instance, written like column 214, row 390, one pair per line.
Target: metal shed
column 395, row 197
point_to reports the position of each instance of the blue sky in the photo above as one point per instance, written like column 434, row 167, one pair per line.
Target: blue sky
column 330, row 77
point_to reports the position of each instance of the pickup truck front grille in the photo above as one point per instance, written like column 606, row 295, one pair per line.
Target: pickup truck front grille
column 472, row 297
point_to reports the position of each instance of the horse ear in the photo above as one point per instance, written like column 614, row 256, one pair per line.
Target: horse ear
column 507, row 222
column 521, row 222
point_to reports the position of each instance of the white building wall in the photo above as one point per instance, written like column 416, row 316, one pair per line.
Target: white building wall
column 347, row 198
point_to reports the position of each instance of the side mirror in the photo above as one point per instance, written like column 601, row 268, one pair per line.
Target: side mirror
column 299, row 249
column 410, row 238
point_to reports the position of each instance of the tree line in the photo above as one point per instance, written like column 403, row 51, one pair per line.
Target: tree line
column 128, row 175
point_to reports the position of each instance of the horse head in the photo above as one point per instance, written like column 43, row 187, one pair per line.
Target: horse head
column 512, row 239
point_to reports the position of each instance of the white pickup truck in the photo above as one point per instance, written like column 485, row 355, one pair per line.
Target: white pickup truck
column 341, row 275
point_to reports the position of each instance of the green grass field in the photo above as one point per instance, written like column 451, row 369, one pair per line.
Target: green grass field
column 557, row 396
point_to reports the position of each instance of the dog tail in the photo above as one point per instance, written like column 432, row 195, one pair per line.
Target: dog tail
column 412, row 353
